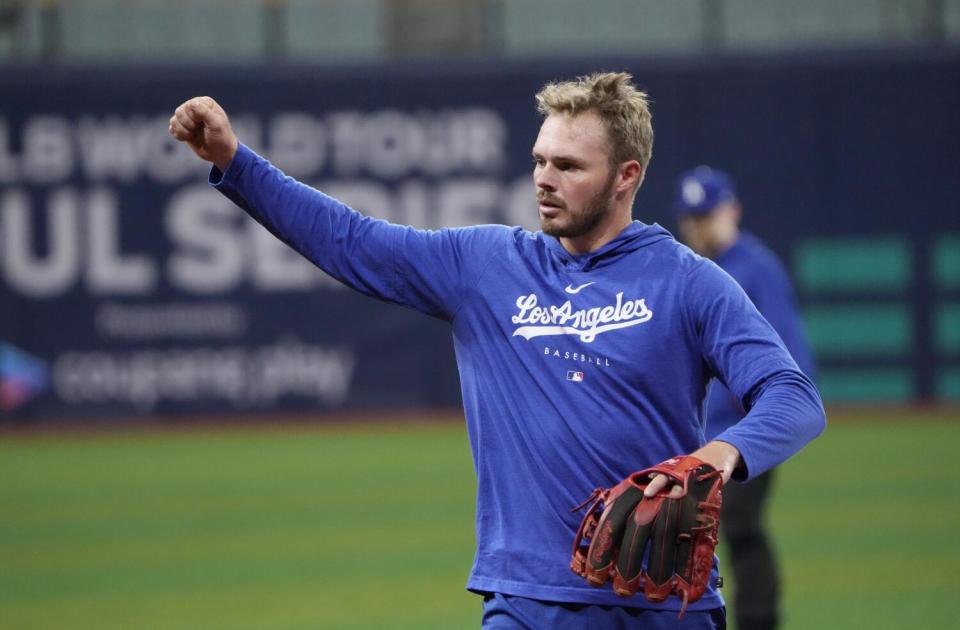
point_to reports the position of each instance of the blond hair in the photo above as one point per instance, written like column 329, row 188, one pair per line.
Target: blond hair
column 623, row 108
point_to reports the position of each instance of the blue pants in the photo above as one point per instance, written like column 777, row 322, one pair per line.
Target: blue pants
column 509, row 612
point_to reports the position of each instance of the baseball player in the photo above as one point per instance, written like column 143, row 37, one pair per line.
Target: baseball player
column 584, row 349
column 709, row 216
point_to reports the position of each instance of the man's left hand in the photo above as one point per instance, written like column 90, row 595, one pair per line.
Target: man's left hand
column 721, row 455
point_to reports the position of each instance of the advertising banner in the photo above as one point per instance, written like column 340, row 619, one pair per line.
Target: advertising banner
column 130, row 288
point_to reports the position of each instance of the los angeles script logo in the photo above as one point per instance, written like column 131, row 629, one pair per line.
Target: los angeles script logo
column 539, row 321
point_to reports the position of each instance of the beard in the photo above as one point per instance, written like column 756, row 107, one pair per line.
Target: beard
column 583, row 222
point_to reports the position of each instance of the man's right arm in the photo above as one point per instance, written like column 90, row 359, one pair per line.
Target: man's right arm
column 425, row 270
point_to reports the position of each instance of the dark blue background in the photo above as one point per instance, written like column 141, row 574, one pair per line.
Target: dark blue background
column 831, row 145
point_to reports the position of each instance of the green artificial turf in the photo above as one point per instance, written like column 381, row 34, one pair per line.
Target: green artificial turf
column 868, row 519
column 329, row 527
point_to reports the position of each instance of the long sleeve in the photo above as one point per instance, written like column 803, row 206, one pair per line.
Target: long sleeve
column 784, row 410
column 429, row 271
column 767, row 284
column 772, row 293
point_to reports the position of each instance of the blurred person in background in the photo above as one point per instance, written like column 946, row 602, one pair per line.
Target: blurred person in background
column 709, row 215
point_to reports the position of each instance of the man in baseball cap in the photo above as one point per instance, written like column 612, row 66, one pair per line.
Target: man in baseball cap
column 709, row 214
column 708, row 211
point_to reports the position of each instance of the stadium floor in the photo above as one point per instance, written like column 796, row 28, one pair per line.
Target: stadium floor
column 327, row 526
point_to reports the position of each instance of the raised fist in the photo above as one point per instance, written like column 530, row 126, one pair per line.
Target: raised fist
column 203, row 125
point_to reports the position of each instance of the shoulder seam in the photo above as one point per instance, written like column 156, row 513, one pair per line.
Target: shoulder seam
column 463, row 298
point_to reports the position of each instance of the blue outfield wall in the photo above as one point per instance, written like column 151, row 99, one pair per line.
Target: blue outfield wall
column 129, row 288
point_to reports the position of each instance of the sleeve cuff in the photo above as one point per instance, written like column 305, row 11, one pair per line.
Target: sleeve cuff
column 240, row 159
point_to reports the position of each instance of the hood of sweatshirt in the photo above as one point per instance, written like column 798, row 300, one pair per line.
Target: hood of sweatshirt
column 632, row 238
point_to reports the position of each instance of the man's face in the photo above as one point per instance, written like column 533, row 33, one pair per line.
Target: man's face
column 709, row 234
column 572, row 174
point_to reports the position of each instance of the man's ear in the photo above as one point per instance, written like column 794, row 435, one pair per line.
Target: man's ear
column 631, row 174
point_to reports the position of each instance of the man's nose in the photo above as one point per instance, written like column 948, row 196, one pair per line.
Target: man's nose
column 544, row 178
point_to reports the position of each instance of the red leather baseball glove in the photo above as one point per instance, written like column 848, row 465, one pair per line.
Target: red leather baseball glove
column 680, row 532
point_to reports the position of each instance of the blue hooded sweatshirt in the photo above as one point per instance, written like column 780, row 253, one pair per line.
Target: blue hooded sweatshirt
column 575, row 370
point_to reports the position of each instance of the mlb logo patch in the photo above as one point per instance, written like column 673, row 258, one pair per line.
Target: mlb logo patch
column 576, row 377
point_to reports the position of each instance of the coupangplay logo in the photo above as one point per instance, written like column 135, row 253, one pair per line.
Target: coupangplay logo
column 22, row 377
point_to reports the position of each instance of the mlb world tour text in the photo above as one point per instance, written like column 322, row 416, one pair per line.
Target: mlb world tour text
column 72, row 185
column 111, row 212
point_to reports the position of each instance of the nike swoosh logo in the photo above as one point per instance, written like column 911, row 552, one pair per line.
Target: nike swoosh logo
column 574, row 290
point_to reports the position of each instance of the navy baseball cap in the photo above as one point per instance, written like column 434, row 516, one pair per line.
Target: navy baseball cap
column 702, row 189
